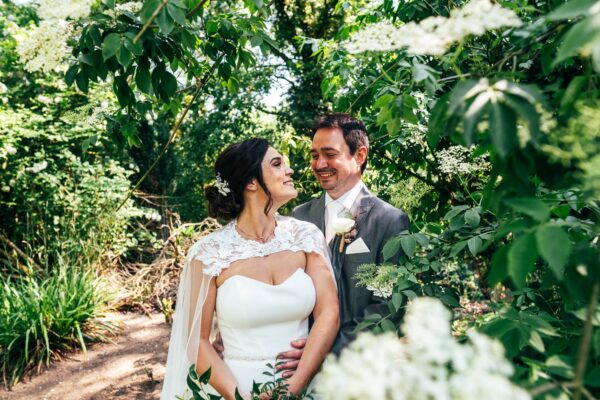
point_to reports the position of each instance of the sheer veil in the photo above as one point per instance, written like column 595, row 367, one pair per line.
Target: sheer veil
column 205, row 260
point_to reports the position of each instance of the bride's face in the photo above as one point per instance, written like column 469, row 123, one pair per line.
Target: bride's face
column 277, row 176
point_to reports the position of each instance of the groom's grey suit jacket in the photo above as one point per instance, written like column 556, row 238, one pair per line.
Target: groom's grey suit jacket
column 376, row 222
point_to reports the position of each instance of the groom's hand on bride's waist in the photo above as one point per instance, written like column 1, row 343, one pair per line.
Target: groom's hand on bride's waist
column 288, row 360
column 218, row 345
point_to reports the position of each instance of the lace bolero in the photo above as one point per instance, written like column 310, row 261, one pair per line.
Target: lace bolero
column 221, row 248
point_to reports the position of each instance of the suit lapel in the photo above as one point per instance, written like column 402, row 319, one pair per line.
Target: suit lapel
column 362, row 205
column 316, row 214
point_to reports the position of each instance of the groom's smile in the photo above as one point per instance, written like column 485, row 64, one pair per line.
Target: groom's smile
column 332, row 162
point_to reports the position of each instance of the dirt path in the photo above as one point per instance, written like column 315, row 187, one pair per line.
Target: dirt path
column 130, row 368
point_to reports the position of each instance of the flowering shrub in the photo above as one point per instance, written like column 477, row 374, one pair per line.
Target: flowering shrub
column 428, row 363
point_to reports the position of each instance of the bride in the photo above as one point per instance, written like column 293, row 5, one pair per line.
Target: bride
column 261, row 276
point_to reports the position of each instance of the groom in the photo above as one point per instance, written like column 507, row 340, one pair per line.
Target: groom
column 339, row 151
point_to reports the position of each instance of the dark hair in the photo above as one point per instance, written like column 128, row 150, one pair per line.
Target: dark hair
column 237, row 165
column 354, row 130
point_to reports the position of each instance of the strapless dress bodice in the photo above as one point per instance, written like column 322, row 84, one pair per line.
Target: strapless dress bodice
column 258, row 320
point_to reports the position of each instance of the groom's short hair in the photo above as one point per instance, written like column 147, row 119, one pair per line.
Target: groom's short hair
column 353, row 129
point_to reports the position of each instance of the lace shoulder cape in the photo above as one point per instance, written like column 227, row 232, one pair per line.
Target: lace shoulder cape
column 221, row 248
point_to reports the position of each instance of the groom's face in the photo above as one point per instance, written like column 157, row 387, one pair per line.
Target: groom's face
column 335, row 168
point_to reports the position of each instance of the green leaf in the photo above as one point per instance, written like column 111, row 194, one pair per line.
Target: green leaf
column 503, row 128
column 396, row 301
column 472, row 217
column 233, row 85
column 388, row 326
column 522, row 255
column 408, row 244
column 499, row 268
column 142, row 78
column 135, row 48
column 148, row 9
column 554, row 246
column 472, row 116
column 121, row 89
column 572, row 9
column 475, row 245
column 211, row 27
column 532, row 207
column 457, row 222
column 111, row 45
column 454, row 211
column 457, row 248
column 168, row 83
column 238, row 396
column 124, row 57
column 527, row 112
column 205, row 377
column 437, row 126
column 82, row 81
column 71, row 74
column 592, row 378
column 462, row 91
column 535, row 340
column 165, row 22
column 421, row 239
column 560, row 365
column 383, row 100
column 391, row 248
column 176, row 13
column 582, row 315
column 579, row 37
column 572, row 92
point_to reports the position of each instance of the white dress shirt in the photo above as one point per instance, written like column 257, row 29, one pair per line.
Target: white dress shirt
column 345, row 201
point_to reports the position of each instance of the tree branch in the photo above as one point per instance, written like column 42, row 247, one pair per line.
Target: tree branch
column 201, row 84
column 195, row 9
column 21, row 253
column 150, row 20
column 584, row 346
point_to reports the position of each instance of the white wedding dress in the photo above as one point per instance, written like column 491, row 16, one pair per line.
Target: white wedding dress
column 256, row 320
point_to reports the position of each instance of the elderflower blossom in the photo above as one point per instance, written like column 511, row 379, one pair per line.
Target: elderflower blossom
column 10, row 150
column 367, row 369
column 456, row 160
column 131, row 7
column 383, row 283
column 434, row 35
column 42, row 48
column 3, row 88
column 63, row 9
column 38, row 167
column 428, row 364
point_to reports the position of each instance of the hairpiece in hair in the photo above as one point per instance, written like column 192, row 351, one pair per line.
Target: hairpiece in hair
column 222, row 185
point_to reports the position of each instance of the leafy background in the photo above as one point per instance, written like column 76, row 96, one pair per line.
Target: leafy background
column 492, row 148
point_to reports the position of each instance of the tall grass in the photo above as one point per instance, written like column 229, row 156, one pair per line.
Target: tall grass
column 40, row 317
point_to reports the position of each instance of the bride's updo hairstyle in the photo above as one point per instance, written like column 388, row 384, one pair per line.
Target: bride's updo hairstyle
column 236, row 167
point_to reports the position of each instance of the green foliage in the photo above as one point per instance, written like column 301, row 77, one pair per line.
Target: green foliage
column 40, row 317
column 276, row 388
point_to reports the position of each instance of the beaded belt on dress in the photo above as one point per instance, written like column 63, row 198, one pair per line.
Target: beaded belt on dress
column 249, row 357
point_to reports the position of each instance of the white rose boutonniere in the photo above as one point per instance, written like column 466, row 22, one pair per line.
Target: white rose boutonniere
column 342, row 226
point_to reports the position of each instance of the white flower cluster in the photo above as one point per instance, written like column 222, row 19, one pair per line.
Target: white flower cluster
column 38, row 167
column 63, row 9
column 428, row 364
column 43, row 47
column 367, row 369
column 382, row 285
column 131, row 6
column 457, row 160
column 434, row 35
